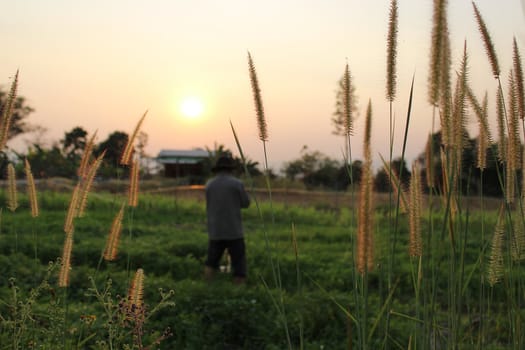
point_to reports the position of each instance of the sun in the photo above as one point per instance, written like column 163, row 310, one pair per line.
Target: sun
column 192, row 107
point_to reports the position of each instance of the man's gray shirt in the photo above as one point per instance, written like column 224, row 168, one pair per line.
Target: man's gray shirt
column 225, row 196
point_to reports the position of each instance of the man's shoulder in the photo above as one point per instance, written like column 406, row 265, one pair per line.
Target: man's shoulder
column 223, row 179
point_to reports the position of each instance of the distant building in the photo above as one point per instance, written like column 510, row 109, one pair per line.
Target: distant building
column 183, row 163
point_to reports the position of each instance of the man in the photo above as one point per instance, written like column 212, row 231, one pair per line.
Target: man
column 225, row 196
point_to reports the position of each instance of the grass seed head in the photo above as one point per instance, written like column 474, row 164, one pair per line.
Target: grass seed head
column 500, row 117
column 415, row 193
column 439, row 33
column 87, row 183
column 128, row 150
column 31, row 190
column 348, row 118
column 259, row 110
column 12, row 193
column 392, row 52
column 487, row 41
column 112, row 243
column 135, row 298
column 365, row 224
column 495, row 266
column 518, row 76
column 7, row 113
column 86, row 156
column 65, row 267
column 133, row 190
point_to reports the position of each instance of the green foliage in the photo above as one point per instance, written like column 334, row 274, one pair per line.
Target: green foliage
column 167, row 237
column 317, row 170
column 114, row 147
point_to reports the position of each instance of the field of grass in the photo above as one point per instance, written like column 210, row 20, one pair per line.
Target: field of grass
column 326, row 270
column 165, row 236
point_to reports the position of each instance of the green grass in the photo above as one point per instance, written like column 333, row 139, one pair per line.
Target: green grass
column 168, row 240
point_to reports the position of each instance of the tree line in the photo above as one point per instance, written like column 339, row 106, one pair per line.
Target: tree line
column 312, row 168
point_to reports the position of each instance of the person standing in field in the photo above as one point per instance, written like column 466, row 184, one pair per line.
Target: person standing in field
column 225, row 197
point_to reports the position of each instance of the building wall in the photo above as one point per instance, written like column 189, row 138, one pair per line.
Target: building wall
column 183, row 170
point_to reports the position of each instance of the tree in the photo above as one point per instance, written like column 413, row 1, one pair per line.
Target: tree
column 317, row 170
column 355, row 172
column 74, row 143
column 470, row 175
column 113, row 146
column 21, row 110
column 382, row 178
column 47, row 163
column 324, row 176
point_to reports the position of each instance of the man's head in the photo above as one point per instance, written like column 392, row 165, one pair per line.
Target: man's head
column 224, row 163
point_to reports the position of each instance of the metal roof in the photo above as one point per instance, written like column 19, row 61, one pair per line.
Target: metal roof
column 173, row 156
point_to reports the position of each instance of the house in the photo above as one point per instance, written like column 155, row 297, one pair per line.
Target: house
column 183, row 163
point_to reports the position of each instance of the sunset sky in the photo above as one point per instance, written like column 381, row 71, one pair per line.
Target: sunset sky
column 100, row 64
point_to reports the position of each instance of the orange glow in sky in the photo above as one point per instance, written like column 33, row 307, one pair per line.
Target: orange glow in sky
column 99, row 64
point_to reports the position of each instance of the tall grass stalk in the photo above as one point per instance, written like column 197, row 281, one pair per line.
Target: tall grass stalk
column 274, row 262
column 348, row 127
column 263, row 136
column 391, row 94
column 438, row 87
column 365, row 231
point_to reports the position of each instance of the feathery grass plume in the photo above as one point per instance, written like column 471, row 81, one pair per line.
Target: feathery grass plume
column 439, row 32
column 500, row 117
column 391, row 52
column 133, row 190
column 261, row 121
column 365, row 224
column 86, row 156
column 514, row 142
column 128, row 150
column 445, row 93
column 135, row 297
column 429, row 162
column 7, row 112
column 517, row 246
column 513, row 156
column 484, row 135
column 481, row 112
column 65, row 266
column 523, row 178
column 495, row 267
column 110, row 252
column 487, row 41
column 447, row 185
column 348, row 120
column 72, row 209
column 459, row 115
column 518, row 76
column 12, row 193
column 510, row 190
column 31, row 190
column 414, row 212
column 87, row 182
column 397, row 187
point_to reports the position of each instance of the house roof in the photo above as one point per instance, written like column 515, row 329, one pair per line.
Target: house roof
column 173, row 156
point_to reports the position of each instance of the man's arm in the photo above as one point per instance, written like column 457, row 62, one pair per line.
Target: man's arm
column 245, row 199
